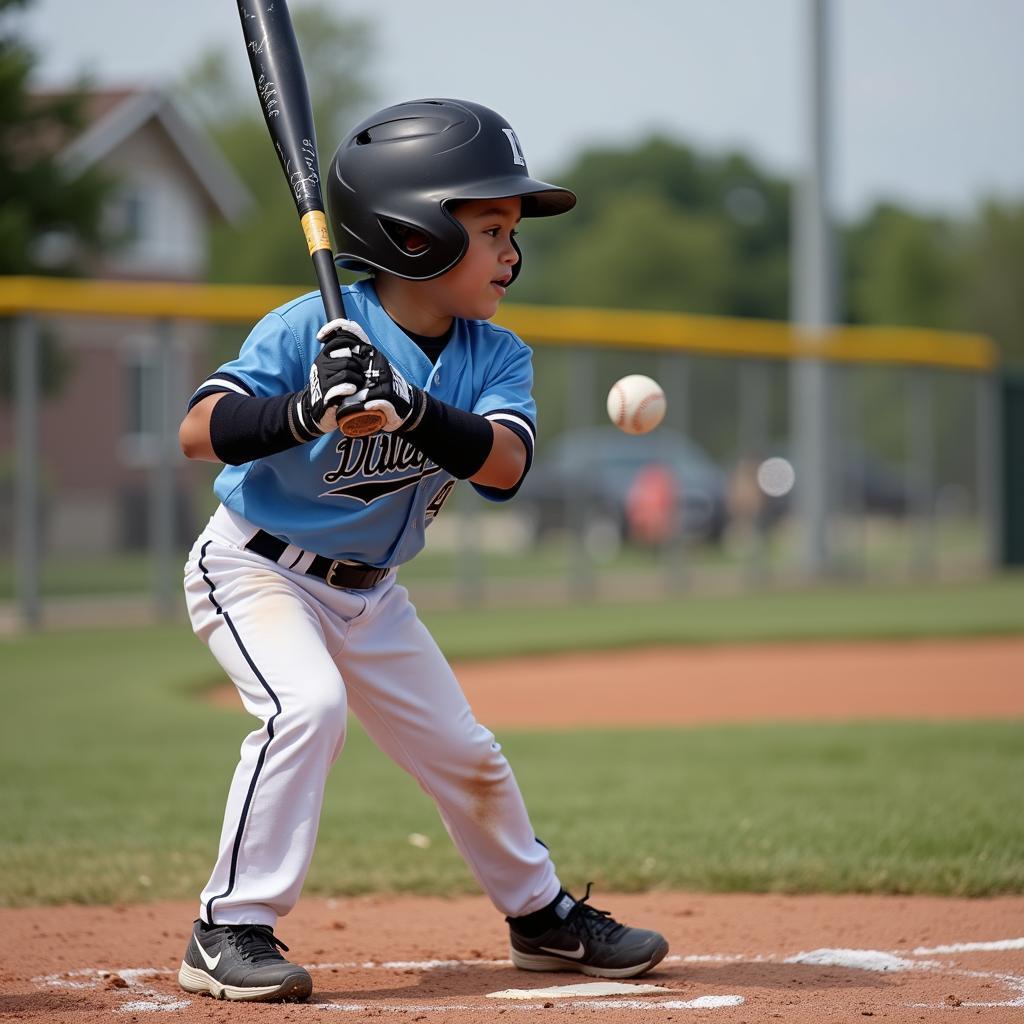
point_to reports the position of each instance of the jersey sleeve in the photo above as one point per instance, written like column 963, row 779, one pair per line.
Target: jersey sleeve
column 269, row 363
column 507, row 398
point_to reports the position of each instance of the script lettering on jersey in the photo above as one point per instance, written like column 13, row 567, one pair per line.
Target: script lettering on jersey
column 374, row 467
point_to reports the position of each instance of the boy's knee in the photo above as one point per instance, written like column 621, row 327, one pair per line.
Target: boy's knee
column 480, row 756
column 319, row 710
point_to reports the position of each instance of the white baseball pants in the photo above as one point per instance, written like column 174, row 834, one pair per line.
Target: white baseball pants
column 302, row 654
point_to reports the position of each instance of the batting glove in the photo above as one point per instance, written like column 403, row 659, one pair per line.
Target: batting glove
column 388, row 392
column 337, row 374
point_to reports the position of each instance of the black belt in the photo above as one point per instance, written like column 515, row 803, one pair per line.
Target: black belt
column 343, row 575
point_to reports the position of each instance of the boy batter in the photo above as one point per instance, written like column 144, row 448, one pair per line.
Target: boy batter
column 292, row 584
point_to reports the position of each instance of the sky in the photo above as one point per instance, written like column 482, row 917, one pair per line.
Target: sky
column 926, row 106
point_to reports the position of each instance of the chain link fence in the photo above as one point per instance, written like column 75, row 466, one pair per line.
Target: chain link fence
column 98, row 508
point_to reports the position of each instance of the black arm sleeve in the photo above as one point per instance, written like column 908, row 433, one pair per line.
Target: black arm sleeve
column 458, row 441
column 243, row 429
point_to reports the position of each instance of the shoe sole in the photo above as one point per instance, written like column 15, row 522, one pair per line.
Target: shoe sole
column 295, row 989
column 538, row 962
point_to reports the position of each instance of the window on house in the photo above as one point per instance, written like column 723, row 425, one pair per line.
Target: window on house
column 140, row 382
column 146, row 396
column 127, row 214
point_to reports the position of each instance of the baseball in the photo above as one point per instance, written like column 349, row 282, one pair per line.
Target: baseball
column 636, row 404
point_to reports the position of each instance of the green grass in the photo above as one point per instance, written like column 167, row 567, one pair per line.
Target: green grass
column 75, row 577
column 987, row 607
column 848, row 612
column 133, row 572
column 875, row 549
column 114, row 776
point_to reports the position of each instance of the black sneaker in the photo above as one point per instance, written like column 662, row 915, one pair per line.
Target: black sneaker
column 241, row 961
column 592, row 942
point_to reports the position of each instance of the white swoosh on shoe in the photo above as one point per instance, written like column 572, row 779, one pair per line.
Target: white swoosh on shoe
column 210, row 961
column 574, row 954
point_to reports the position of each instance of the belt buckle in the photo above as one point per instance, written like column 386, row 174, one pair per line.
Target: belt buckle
column 332, row 569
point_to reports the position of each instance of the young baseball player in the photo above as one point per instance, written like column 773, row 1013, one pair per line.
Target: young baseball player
column 292, row 584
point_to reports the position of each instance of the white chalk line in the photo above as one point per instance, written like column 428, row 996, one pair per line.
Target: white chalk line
column 145, row 999
column 972, row 947
column 590, row 989
column 876, row 960
column 860, row 960
column 856, row 959
column 700, row 1003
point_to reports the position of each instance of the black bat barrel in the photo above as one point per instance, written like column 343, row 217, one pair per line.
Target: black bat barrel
column 284, row 97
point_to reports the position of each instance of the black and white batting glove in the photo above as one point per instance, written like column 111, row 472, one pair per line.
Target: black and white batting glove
column 388, row 392
column 337, row 374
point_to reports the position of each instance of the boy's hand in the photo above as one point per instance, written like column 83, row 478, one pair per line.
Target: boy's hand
column 389, row 393
column 337, row 373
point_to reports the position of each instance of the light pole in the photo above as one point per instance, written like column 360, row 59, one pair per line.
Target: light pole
column 814, row 302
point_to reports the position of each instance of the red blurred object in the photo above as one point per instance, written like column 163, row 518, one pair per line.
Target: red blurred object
column 651, row 505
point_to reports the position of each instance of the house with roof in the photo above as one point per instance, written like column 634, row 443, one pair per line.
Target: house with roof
column 171, row 186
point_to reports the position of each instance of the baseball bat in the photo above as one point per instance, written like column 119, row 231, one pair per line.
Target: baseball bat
column 281, row 87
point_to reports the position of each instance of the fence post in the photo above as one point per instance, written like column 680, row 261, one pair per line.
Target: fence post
column 674, row 374
column 921, row 476
column 27, row 533
column 989, row 455
column 162, row 491
column 851, row 459
column 752, row 449
column 581, row 385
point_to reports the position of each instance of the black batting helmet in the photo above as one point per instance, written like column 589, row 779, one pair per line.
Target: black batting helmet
column 401, row 168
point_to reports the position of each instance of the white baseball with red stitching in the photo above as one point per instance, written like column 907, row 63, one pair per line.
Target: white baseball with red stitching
column 636, row 404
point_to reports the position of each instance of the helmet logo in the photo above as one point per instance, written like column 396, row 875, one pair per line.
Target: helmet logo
column 517, row 153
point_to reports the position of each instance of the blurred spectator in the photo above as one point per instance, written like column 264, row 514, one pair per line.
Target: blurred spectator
column 751, row 512
column 651, row 506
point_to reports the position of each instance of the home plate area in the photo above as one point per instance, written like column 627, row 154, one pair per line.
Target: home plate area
column 735, row 959
column 901, row 985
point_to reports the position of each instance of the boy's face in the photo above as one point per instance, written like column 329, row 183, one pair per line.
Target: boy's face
column 475, row 286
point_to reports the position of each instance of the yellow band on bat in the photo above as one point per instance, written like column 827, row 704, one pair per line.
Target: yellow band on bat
column 314, row 224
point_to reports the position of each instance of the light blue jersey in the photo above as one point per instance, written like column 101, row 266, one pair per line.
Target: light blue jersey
column 366, row 499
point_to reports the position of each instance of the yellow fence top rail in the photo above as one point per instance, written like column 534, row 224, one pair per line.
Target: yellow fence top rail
column 161, row 299
column 762, row 339
column 612, row 328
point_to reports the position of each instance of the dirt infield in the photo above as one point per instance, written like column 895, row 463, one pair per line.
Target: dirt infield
column 757, row 683
column 800, row 682
column 733, row 958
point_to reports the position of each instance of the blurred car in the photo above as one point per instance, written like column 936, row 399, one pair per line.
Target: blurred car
column 868, row 485
column 874, row 485
column 611, row 484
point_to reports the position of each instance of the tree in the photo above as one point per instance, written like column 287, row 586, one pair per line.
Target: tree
column 267, row 246
column 39, row 197
column 990, row 297
column 901, row 268
column 911, row 269
column 643, row 251
column 662, row 226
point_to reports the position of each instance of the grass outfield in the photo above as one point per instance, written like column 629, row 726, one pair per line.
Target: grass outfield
column 115, row 774
column 978, row 608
